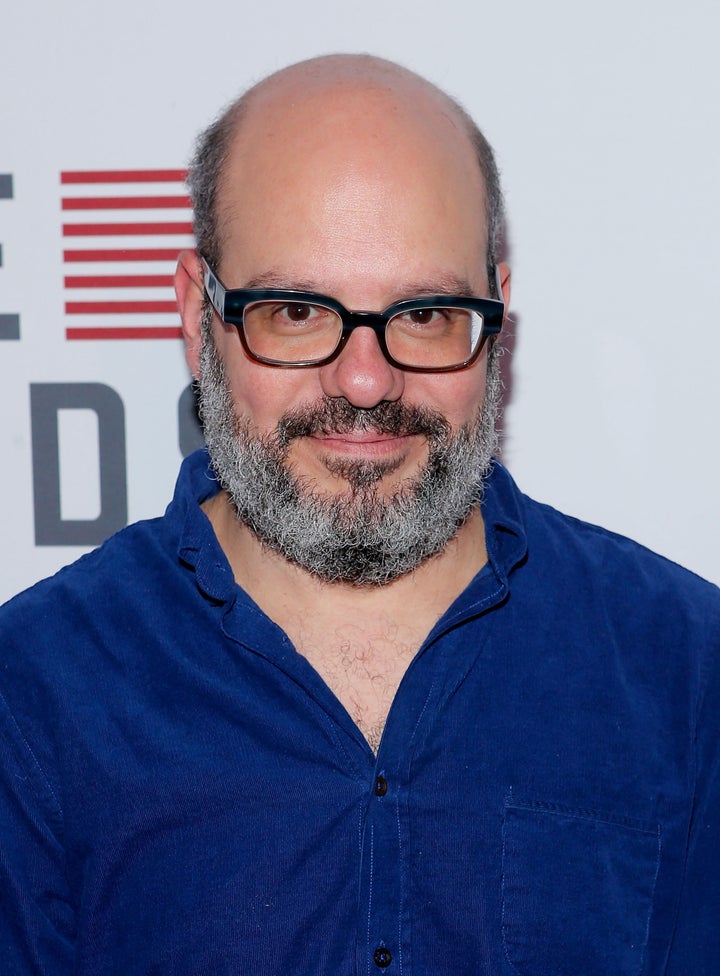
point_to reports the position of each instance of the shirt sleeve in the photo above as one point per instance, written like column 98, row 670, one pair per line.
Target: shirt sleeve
column 696, row 945
column 37, row 921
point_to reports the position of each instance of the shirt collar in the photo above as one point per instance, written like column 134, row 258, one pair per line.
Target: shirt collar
column 502, row 508
column 198, row 546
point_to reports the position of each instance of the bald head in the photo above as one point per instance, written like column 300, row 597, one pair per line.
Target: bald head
column 344, row 183
column 356, row 104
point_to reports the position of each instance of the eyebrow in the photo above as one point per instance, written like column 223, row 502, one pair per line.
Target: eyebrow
column 444, row 284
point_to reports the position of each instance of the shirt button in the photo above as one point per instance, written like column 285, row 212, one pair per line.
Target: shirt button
column 382, row 957
column 380, row 787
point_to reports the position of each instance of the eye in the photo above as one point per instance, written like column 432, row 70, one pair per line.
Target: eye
column 299, row 313
column 423, row 316
column 422, row 321
column 290, row 318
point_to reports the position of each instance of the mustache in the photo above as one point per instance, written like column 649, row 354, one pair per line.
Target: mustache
column 336, row 415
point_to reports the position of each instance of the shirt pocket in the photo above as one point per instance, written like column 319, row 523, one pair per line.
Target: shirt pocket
column 577, row 890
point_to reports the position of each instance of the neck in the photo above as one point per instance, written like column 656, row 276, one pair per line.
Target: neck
column 275, row 583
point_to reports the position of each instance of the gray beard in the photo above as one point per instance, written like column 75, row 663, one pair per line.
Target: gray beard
column 358, row 535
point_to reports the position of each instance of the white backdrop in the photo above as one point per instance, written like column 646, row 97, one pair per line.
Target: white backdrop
column 605, row 121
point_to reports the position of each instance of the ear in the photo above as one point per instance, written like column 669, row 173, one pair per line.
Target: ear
column 190, row 292
column 504, row 272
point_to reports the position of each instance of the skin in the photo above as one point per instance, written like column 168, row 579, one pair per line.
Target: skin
column 351, row 177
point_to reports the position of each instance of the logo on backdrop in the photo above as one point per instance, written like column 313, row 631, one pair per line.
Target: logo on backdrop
column 122, row 233
column 9, row 321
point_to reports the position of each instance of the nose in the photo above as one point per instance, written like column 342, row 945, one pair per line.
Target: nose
column 361, row 373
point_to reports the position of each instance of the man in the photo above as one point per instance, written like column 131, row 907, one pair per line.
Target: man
column 356, row 704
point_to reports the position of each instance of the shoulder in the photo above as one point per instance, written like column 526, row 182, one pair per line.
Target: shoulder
column 130, row 566
column 606, row 556
column 564, row 545
column 95, row 614
column 124, row 563
column 607, row 589
column 589, row 580
column 84, row 642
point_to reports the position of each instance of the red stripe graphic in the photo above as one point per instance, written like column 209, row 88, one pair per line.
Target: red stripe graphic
column 118, row 281
column 105, row 280
column 117, row 230
column 125, row 176
column 125, row 332
column 125, row 203
column 124, row 254
column 102, row 308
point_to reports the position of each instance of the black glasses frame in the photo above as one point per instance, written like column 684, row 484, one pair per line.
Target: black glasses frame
column 230, row 305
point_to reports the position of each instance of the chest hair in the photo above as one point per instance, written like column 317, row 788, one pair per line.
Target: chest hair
column 362, row 662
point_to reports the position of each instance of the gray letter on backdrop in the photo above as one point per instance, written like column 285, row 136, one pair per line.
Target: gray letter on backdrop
column 46, row 399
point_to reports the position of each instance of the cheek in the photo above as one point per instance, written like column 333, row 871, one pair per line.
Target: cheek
column 457, row 396
column 262, row 394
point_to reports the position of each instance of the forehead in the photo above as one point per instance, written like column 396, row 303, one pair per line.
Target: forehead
column 351, row 170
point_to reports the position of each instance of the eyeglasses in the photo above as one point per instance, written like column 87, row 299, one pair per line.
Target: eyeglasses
column 285, row 328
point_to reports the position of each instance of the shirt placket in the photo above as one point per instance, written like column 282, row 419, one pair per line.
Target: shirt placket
column 383, row 943
column 384, row 940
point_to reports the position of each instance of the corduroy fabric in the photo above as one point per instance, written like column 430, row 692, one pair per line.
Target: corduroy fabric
column 180, row 792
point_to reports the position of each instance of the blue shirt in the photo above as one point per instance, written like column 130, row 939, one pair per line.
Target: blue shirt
column 181, row 793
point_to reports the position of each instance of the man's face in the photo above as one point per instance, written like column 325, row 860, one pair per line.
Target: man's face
column 359, row 535
column 370, row 197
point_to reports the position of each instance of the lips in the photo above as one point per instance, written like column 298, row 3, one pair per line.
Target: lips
column 360, row 437
column 362, row 445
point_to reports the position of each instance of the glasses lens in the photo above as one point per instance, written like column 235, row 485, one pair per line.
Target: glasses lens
column 434, row 338
column 291, row 332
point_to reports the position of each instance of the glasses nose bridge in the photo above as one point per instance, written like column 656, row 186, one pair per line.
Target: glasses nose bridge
column 376, row 321
column 369, row 320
